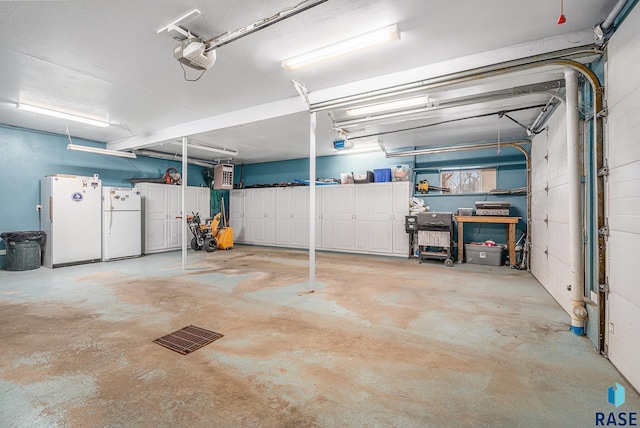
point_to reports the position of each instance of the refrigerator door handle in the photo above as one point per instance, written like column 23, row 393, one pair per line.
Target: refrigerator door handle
column 51, row 208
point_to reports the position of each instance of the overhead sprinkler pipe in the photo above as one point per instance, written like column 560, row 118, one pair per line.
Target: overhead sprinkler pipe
column 576, row 246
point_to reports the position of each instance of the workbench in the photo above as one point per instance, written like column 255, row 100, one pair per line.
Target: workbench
column 511, row 232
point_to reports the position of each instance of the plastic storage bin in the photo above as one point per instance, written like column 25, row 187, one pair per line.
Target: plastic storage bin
column 382, row 175
column 24, row 249
column 401, row 172
column 346, row 178
column 363, row 178
column 484, row 255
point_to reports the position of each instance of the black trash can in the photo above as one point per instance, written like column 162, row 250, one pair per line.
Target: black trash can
column 24, row 249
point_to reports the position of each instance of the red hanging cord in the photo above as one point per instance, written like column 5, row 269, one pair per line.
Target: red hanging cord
column 561, row 19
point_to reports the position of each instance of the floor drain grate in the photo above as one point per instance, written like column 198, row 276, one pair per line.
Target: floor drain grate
column 188, row 339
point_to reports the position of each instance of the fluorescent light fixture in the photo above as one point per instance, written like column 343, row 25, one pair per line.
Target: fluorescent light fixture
column 391, row 105
column 366, row 145
column 166, row 156
column 61, row 115
column 100, row 151
column 341, row 48
column 222, row 151
column 357, row 150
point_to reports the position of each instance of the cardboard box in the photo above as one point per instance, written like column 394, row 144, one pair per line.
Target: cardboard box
column 483, row 254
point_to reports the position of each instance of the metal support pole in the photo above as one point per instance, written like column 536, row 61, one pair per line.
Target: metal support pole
column 183, row 220
column 312, row 202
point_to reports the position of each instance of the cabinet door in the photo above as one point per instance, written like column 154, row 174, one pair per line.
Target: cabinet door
column 261, row 228
column 380, row 212
column 361, row 217
column 174, row 205
column 344, row 217
column 401, row 196
column 155, row 217
column 254, row 215
column 204, row 202
column 191, row 202
column 236, row 214
column 318, row 214
column 327, row 217
column 300, row 215
column 284, row 216
column 270, row 216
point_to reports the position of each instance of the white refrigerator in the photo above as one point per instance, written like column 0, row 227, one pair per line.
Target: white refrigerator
column 121, row 223
column 70, row 216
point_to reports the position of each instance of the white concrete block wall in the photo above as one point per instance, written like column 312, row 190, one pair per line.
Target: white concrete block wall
column 623, row 199
column 552, row 236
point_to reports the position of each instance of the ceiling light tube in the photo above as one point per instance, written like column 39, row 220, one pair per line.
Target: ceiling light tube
column 177, row 158
column 356, row 151
column 61, row 115
column 222, row 151
column 342, row 48
column 391, row 105
column 100, row 151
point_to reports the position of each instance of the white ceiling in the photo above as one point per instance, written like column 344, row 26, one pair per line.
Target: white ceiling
column 105, row 60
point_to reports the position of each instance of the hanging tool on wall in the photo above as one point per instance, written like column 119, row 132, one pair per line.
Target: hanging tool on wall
column 424, row 187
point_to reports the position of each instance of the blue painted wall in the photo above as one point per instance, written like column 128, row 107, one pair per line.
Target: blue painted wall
column 326, row 167
column 27, row 156
column 511, row 173
column 510, row 167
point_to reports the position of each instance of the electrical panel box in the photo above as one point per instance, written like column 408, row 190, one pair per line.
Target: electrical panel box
column 223, row 176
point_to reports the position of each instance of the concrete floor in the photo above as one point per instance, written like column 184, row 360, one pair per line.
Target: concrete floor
column 381, row 342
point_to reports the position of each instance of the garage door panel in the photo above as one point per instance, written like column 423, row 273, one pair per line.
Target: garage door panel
column 539, row 232
column 624, row 112
column 624, row 342
column 629, row 173
column 625, row 266
column 624, row 57
column 623, row 193
column 539, row 205
column 539, row 265
column 559, row 278
column 624, row 223
column 558, row 242
column 558, row 204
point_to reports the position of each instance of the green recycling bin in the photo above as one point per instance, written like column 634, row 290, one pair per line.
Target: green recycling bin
column 23, row 249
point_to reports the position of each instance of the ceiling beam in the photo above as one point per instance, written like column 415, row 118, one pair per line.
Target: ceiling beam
column 226, row 120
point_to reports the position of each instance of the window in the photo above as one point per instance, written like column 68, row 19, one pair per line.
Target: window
column 469, row 180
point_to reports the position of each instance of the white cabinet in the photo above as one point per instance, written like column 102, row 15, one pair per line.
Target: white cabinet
column 292, row 216
column 260, row 216
column 326, row 224
column 361, row 218
column 402, row 191
column 380, row 217
column 236, row 214
column 162, row 214
column 343, row 217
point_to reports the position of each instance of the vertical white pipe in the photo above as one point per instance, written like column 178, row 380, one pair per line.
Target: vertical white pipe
column 183, row 221
column 574, row 160
column 312, row 202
